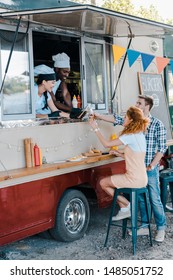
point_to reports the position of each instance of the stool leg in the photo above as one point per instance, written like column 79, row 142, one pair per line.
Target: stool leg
column 134, row 217
column 111, row 215
column 124, row 228
column 146, row 198
column 171, row 191
column 163, row 192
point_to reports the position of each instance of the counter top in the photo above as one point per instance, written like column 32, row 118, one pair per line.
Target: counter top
column 21, row 175
column 49, row 167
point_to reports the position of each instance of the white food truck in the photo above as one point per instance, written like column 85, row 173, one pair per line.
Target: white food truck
column 53, row 198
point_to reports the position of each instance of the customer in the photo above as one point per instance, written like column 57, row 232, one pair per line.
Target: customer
column 60, row 94
column 156, row 147
column 44, row 82
column 133, row 138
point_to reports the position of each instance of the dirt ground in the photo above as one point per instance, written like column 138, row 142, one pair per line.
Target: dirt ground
column 91, row 246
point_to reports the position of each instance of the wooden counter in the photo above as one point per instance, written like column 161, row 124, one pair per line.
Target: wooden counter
column 22, row 172
column 53, row 169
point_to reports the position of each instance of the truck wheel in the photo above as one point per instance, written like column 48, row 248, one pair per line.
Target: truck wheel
column 72, row 217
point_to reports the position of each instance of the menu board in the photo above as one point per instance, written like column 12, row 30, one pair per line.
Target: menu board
column 152, row 84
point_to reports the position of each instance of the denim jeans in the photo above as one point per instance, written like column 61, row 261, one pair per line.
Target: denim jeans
column 155, row 200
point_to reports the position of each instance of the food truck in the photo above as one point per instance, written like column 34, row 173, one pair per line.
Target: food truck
column 53, row 198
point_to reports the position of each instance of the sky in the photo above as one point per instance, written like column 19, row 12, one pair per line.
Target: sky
column 162, row 6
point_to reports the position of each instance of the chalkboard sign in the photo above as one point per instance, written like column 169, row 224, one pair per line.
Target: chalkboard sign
column 152, row 85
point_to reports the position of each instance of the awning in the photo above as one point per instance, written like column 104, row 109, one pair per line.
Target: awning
column 84, row 18
column 31, row 5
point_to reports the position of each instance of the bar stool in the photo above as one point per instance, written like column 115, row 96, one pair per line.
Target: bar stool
column 134, row 195
column 166, row 177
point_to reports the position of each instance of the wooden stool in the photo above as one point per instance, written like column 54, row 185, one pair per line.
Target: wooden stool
column 166, row 177
column 134, row 195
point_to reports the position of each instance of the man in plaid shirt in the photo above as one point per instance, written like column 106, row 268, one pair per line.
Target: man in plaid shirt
column 156, row 147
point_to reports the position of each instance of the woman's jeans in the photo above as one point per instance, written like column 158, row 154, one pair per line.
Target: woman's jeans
column 155, row 200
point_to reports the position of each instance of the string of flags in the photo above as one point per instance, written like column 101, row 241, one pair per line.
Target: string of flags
column 132, row 55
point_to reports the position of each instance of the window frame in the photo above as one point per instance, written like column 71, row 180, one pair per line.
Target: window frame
column 84, row 81
column 28, row 42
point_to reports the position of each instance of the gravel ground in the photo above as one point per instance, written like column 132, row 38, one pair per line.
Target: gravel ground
column 91, row 246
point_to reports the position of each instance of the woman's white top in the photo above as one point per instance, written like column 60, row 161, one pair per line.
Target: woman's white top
column 135, row 141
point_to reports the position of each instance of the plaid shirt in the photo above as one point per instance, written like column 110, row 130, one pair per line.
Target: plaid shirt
column 155, row 137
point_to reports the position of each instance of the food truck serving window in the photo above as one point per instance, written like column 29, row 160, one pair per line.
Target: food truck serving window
column 16, row 94
column 96, row 89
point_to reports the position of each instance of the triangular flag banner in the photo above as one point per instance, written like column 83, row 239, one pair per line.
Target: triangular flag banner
column 132, row 56
column 171, row 62
column 161, row 63
column 118, row 52
column 146, row 60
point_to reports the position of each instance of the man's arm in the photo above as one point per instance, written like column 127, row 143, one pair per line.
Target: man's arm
column 67, row 99
column 59, row 105
column 66, row 94
column 115, row 119
column 155, row 160
column 107, row 118
column 160, row 134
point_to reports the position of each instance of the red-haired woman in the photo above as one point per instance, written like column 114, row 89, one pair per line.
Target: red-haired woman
column 133, row 138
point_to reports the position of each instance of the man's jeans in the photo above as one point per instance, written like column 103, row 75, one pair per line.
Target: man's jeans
column 155, row 201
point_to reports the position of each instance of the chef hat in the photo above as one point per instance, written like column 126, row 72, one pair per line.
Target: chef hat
column 43, row 72
column 62, row 60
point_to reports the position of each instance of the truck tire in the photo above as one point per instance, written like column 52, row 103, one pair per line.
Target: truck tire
column 72, row 217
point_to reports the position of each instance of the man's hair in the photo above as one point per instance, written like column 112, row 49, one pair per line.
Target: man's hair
column 148, row 100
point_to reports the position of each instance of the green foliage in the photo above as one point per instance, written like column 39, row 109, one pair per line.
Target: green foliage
column 14, row 85
column 169, row 21
column 150, row 13
column 122, row 6
column 126, row 7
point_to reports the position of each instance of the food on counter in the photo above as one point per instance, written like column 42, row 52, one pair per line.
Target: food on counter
column 76, row 158
column 92, row 153
column 96, row 151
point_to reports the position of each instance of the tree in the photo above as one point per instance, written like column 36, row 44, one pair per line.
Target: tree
column 126, row 7
column 150, row 13
column 123, row 6
column 169, row 21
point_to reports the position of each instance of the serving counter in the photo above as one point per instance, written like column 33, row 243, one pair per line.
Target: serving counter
column 21, row 175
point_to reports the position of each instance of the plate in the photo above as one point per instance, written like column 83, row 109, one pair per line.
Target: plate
column 77, row 159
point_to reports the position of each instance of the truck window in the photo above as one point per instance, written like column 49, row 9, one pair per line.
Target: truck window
column 16, row 93
column 96, row 91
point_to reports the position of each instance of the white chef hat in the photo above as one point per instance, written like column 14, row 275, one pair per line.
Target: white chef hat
column 44, row 72
column 62, row 60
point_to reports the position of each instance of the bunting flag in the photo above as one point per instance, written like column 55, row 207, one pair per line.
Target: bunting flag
column 161, row 63
column 118, row 52
column 132, row 56
column 146, row 60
